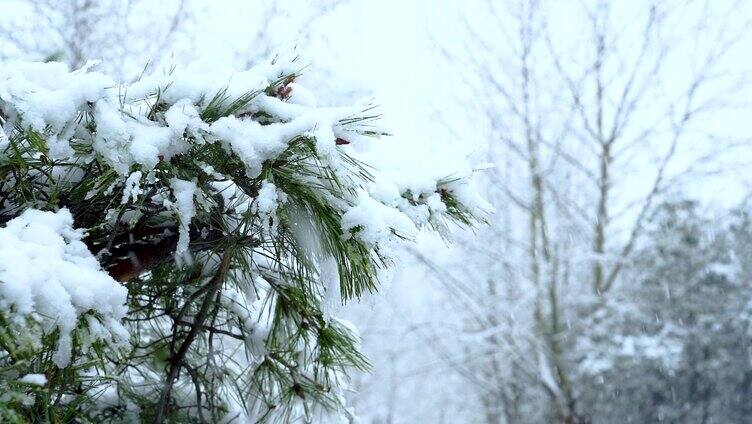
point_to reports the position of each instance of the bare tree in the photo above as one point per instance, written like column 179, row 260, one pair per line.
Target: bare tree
column 130, row 34
column 589, row 129
column 125, row 34
column 262, row 43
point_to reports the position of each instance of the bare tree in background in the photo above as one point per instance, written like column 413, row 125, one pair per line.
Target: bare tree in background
column 589, row 129
column 120, row 32
column 262, row 43
column 130, row 34
column 281, row 26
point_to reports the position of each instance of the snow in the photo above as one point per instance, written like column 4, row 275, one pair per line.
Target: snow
column 132, row 187
column 141, row 129
column 330, row 281
column 255, row 143
column 4, row 141
column 411, row 181
column 183, row 116
column 48, row 274
column 266, row 206
column 374, row 223
column 149, row 143
column 184, row 191
column 250, row 141
column 300, row 95
column 59, row 147
column 48, row 94
column 202, row 81
column 34, row 379
column 50, row 98
column 133, row 139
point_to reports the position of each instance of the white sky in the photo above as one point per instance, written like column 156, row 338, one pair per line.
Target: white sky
column 385, row 47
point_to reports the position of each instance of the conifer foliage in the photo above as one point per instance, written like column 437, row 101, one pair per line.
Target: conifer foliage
column 173, row 249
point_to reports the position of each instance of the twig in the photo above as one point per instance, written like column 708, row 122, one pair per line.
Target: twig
column 177, row 359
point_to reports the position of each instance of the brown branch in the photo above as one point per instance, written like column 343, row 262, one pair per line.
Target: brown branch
column 176, row 362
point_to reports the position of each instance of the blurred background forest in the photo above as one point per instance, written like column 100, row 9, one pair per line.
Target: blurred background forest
column 612, row 284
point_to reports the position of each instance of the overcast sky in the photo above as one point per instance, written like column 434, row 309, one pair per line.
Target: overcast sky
column 387, row 47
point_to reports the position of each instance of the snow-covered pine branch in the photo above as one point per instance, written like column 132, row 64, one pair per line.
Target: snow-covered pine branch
column 175, row 247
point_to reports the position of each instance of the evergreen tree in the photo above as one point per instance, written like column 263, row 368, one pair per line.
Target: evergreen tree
column 173, row 249
column 673, row 346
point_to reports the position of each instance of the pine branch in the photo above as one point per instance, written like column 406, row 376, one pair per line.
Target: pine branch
column 176, row 361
